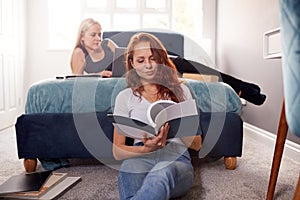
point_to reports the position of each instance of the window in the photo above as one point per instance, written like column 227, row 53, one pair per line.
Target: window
column 178, row 15
column 62, row 25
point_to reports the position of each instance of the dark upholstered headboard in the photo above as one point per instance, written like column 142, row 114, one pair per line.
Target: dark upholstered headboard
column 174, row 42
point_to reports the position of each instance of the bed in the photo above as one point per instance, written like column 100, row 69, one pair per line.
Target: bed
column 67, row 118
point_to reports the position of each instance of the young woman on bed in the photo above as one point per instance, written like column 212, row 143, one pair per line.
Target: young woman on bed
column 90, row 54
column 157, row 168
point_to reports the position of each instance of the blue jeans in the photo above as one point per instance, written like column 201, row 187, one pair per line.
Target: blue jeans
column 163, row 174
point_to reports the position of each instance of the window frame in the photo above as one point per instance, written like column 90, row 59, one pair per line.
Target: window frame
column 173, row 24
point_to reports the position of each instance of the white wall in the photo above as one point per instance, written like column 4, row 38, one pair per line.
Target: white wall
column 240, row 29
column 41, row 62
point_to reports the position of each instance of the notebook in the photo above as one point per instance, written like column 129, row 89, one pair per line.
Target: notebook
column 54, row 192
column 54, row 179
column 24, row 182
column 118, row 65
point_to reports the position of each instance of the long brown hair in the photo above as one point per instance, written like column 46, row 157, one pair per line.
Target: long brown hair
column 166, row 79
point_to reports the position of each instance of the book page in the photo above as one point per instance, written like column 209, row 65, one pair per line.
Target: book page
column 155, row 108
column 53, row 179
column 179, row 110
column 60, row 188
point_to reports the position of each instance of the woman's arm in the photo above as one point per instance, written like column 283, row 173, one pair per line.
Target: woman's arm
column 193, row 142
column 77, row 61
column 105, row 73
column 122, row 151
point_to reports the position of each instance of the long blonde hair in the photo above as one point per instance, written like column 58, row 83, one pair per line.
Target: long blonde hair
column 84, row 26
column 166, row 79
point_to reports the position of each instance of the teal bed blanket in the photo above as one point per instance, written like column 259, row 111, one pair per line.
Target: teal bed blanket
column 91, row 94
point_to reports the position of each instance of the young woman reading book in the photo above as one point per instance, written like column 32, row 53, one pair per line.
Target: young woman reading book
column 153, row 168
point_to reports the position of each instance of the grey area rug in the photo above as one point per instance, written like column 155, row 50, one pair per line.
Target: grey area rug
column 212, row 182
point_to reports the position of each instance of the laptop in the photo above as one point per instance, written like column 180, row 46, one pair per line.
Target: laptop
column 119, row 65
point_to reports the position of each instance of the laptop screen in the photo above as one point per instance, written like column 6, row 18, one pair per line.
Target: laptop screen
column 119, row 65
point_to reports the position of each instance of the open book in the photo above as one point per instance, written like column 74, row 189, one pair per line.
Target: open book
column 182, row 117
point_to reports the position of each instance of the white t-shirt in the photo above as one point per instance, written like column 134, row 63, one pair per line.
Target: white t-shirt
column 129, row 105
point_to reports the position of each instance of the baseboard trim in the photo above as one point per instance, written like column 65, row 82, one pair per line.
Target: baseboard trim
column 291, row 149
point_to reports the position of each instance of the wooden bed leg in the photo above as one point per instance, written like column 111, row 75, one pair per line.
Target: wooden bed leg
column 30, row 164
column 230, row 162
